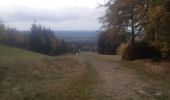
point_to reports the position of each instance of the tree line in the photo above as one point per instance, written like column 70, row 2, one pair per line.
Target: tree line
column 143, row 25
column 39, row 39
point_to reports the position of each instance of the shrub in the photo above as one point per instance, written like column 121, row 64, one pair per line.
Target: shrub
column 121, row 49
column 105, row 45
column 139, row 50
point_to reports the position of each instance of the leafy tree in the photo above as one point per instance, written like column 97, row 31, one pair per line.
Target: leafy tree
column 3, row 35
column 129, row 14
column 158, row 27
column 62, row 48
column 42, row 40
column 104, row 45
column 16, row 38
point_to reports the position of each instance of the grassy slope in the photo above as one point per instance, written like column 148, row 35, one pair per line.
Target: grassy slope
column 27, row 75
column 157, row 81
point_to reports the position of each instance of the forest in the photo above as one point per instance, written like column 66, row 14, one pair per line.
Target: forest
column 136, row 29
column 38, row 39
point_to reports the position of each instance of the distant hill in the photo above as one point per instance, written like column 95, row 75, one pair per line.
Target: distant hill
column 78, row 36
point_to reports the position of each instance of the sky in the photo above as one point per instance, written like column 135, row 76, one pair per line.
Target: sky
column 56, row 14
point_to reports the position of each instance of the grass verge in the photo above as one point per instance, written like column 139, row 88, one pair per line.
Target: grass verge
column 158, row 88
column 27, row 75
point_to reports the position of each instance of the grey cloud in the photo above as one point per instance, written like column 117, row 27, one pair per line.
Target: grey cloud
column 29, row 14
column 81, row 18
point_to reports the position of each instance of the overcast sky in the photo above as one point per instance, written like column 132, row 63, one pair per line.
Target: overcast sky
column 56, row 14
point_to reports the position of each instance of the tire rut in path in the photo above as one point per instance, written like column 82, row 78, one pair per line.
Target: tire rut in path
column 116, row 82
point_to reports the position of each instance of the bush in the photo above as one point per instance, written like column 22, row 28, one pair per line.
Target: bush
column 139, row 50
column 105, row 45
column 121, row 49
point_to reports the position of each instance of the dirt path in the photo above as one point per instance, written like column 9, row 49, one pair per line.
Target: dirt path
column 114, row 81
column 87, row 76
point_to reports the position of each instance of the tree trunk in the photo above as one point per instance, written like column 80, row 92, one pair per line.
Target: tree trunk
column 133, row 29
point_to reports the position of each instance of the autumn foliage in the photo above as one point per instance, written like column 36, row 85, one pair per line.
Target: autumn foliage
column 146, row 24
column 39, row 39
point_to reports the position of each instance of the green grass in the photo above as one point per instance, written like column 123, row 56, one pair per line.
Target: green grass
column 13, row 52
column 26, row 75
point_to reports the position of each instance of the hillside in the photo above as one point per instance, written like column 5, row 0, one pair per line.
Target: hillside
column 27, row 75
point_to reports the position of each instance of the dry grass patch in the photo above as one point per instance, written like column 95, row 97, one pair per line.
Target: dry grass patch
column 30, row 76
column 156, row 74
column 161, row 68
column 35, row 79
